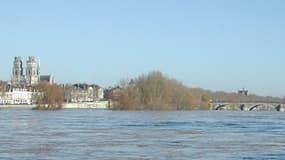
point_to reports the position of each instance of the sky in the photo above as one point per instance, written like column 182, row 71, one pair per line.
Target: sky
column 213, row 44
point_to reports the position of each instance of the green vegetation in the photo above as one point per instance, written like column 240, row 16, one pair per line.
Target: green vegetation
column 155, row 91
column 51, row 97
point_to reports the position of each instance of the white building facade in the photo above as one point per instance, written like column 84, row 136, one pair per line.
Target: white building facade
column 17, row 96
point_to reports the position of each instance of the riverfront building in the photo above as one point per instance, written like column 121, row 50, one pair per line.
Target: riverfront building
column 18, row 96
column 83, row 93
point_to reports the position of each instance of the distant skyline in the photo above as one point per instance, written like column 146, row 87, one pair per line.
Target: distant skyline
column 212, row 44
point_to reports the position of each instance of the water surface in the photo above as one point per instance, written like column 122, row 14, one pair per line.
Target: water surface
column 102, row 134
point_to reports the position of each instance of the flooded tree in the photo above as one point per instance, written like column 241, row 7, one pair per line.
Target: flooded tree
column 155, row 91
column 50, row 96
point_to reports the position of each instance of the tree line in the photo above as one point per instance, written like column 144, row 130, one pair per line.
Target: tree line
column 221, row 96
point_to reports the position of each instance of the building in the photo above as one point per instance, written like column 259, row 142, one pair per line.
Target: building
column 21, row 90
column 17, row 72
column 100, row 93
column 17, row 95
column 32, row 75
column 243, row 92
column 47, row 78
column 113, row 93
column 21, row 96
column 83, row 93
column 32, row 71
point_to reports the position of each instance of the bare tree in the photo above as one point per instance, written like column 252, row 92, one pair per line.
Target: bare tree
column 154, row 91
column 50, row 97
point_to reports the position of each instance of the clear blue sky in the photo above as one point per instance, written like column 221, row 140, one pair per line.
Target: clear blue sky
column 213, row 44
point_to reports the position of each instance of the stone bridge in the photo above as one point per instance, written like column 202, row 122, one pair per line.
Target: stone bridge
column 248, row 106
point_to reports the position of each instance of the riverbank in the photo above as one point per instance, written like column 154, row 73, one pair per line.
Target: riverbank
column 17, row 105
column 94, row 105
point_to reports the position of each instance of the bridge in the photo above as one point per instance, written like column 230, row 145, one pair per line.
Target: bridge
column 248, row 106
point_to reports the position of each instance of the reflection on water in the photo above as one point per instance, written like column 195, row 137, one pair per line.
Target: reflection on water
column 102, row 134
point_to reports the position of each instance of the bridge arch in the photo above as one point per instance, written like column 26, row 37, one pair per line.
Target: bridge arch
column 221, row 106
column 267, row 106
column 251, row 108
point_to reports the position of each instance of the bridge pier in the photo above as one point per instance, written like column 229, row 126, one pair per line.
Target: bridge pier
column 282, row 107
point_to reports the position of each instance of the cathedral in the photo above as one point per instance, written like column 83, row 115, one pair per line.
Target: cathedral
column 32, row 75
column 32, row 71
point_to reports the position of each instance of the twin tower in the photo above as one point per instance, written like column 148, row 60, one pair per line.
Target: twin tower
column 32, row 71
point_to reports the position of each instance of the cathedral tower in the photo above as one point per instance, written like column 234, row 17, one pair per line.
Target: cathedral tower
column 32, row 71
column 17, row 76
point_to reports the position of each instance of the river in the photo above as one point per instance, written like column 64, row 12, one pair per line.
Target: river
column 89, row 134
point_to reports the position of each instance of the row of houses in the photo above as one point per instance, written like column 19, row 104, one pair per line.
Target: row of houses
column 75, row 93
column 83, row 93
